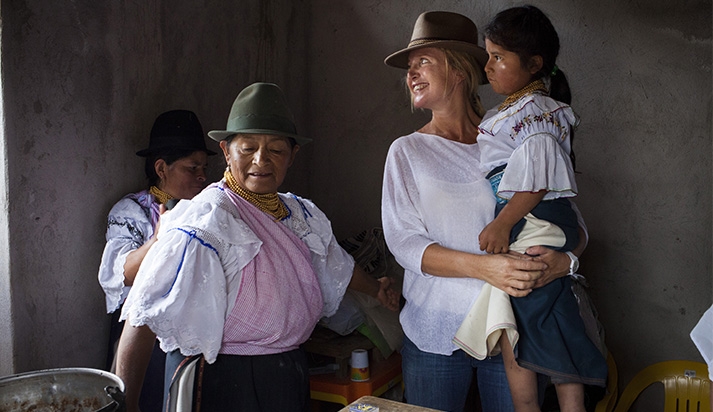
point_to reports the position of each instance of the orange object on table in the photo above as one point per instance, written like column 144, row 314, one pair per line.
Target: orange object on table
column 385, row 374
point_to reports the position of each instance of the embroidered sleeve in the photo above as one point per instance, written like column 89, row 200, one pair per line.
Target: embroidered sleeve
column 127, row 229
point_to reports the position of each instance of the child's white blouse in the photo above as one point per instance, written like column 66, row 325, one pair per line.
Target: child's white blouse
column 532, row 137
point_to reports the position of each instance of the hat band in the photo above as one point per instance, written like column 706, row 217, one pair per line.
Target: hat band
column 262, row 122
column 429, row 40
column 421, row 42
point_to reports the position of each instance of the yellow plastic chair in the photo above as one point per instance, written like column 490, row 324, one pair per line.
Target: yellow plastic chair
column 606, row 404
column 686, row 386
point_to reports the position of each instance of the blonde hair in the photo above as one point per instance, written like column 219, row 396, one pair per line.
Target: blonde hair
column 473, row 75
column 469, row 66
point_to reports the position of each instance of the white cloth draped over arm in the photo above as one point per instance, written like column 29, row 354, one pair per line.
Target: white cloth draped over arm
column 189, row 279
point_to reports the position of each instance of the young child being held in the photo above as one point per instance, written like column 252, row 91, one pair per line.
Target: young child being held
column 526, row 147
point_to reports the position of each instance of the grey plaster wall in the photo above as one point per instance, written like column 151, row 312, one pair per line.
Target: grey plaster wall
column 83, row 81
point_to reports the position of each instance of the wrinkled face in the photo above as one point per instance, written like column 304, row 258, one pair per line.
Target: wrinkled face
column 428, row 78
column 259, row 162
column 506, row 72
column 183, row 178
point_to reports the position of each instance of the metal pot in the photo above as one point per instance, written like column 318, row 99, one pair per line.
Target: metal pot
column 62, row 390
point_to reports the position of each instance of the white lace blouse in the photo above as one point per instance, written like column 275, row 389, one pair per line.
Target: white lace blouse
column 434, row 191
column 203, row 245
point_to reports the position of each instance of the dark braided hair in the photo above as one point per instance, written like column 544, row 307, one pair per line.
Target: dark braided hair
column 528, row 32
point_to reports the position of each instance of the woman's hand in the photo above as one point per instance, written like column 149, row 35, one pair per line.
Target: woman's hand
column 557, row 264
column 387, row 296
column 380, row 289
column 514, row 273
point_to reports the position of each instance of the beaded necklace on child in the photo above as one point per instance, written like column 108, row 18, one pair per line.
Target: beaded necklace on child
column 536, row 86
column 269, row 203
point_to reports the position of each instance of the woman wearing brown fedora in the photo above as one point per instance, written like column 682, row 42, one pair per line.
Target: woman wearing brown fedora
column 175, row 166
column 241, row 274
column 435, row 202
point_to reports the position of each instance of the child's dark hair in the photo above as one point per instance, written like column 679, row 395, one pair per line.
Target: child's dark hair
column 527, row 32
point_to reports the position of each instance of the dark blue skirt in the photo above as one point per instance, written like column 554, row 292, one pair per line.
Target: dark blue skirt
column 553, row 340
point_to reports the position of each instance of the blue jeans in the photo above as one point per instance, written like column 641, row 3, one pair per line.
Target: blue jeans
column 442, row 382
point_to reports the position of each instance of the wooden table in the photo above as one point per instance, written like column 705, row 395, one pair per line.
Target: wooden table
column 386, row 405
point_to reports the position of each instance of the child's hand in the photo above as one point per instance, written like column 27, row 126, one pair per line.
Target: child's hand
column 495, row 238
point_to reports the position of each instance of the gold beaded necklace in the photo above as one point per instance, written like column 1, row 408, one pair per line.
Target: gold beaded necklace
column 161, row 196
column 536, row 86
column 269, row 203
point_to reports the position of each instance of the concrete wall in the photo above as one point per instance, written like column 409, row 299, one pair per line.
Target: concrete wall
column 83, row 81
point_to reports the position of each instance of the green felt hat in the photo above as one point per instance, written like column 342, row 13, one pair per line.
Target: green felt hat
column 260, row 108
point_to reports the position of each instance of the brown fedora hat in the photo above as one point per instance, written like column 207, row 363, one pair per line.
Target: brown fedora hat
column 445, row 30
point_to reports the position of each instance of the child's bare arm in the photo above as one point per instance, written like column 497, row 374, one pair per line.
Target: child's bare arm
column 495, row 238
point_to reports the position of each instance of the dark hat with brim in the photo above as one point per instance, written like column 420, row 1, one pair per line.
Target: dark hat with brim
column 260, row 108
column 442, row 29
column 176, row 130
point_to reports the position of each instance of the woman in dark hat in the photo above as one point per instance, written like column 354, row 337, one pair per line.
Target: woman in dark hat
column 241, row 274
column 175, row 167
column 435, row 202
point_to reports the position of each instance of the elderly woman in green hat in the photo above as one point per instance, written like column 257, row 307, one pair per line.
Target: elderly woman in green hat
column 241, row 274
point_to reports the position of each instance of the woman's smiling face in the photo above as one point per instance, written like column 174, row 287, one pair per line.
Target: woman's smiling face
column 428, row 78
column 259, row 162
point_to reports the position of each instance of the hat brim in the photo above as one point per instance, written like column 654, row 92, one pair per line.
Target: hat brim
column 399, row 59
column 220, row 135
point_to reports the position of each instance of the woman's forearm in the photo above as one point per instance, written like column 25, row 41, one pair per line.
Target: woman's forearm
column 133, row 261
column 362, row 282
column 579, row 249
column 558, row 263
column 132, row 359
column 514, row 274
column 440, row 261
